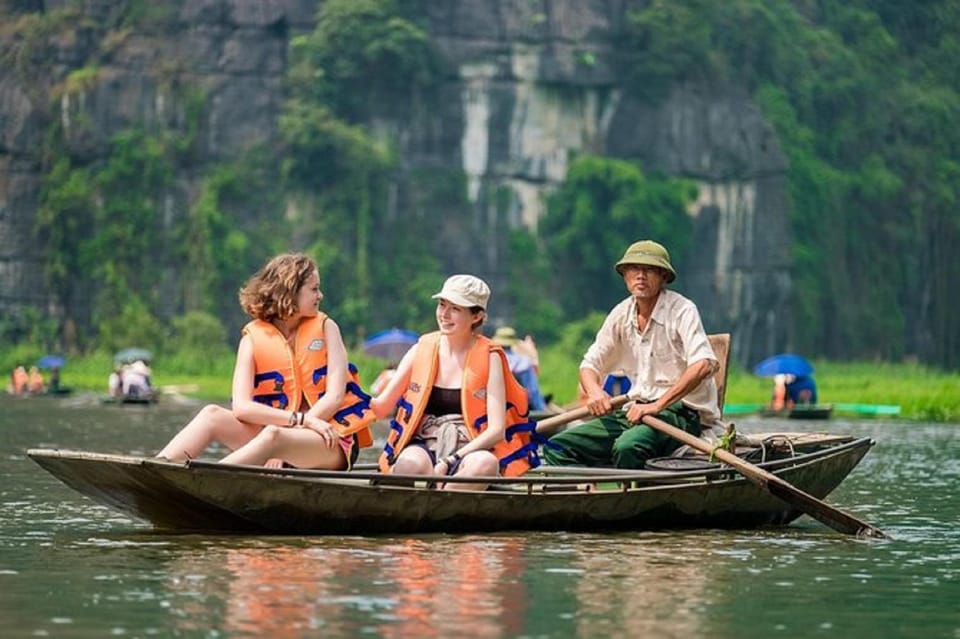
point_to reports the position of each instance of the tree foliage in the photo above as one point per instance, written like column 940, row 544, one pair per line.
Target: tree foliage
column 863, row 98
column 864, row 95
column 603, row 206
column 364, row 57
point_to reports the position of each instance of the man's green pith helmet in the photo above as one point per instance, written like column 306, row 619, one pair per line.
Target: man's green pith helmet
column 647, row 253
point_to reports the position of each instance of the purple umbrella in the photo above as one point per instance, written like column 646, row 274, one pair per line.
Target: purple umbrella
column 390, row 344
column 51, row 361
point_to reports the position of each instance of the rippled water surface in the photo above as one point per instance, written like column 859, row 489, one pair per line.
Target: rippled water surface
column 71, row 568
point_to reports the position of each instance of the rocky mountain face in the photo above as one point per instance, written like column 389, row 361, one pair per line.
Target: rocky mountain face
column 531, row 83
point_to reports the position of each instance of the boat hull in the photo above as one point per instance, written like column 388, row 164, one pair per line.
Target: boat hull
column 205, row 496
column 801, row 411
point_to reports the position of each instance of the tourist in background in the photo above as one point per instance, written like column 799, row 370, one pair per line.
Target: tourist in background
column 524, row 363
column 19, row 380
column 35, row 383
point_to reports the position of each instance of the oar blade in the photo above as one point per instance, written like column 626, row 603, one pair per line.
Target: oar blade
column 805, row 502
column 821, row 511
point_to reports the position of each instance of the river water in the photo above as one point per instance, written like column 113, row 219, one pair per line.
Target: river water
column 72, row 568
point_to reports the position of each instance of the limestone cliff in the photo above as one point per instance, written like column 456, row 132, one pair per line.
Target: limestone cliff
column 531, row 83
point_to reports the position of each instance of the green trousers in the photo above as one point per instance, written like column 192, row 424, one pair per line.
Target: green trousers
column 611, row 439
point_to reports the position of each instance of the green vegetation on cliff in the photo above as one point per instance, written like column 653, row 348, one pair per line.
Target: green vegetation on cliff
column 863, row 95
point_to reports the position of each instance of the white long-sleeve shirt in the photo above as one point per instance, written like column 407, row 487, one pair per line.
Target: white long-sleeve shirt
column 673, row 339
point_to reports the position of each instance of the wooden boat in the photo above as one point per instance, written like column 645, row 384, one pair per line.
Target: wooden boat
column 140, row 400
column 861, row 410
column 208, row 496
column 801, row 411
column 869, row 410
column 60, row 391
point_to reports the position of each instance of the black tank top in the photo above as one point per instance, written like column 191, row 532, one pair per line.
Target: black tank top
column 443, row 401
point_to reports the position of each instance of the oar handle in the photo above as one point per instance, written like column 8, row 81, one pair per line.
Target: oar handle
column 803, row 501
column 551, row 424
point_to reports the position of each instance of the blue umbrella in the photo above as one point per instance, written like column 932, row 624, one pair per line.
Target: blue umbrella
column 390, row 344
column 783, row 364
column 51, row 361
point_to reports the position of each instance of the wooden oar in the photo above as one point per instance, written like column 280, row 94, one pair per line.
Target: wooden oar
column 551, row 424
column 821, row 511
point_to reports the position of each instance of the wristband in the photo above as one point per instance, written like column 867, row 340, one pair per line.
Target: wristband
column 452, row 459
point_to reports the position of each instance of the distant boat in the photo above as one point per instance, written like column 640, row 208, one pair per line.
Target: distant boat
column 801, row 411
column 864, row 410
column 868, row 409
column 130, row 399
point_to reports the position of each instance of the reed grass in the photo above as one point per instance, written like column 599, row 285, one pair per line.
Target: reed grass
column 921, row 392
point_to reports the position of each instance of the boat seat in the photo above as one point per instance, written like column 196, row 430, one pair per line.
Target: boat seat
column 720, row 342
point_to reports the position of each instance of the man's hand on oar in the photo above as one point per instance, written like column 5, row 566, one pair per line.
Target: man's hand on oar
column 550, row 425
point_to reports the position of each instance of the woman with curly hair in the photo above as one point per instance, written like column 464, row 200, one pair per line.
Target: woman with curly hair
column 294, row 401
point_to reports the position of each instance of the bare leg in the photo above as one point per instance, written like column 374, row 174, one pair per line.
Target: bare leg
column 413, row 460
column 212, row 423
column 302, row 447
column 480, row 463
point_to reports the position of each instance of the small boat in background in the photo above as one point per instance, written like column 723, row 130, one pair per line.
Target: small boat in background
column 801, row 411
column 130, row 381
column 861, row 410
column 868, row 409
column 142, row 400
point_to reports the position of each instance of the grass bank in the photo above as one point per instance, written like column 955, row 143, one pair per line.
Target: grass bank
column 922, row 393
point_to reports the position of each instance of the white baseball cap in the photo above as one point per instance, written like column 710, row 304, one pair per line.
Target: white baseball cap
column 465, row 290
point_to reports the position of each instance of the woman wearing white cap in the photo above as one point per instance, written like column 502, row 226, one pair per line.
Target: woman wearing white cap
column 455, row 398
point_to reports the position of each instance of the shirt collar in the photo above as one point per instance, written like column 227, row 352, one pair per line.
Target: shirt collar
column 659, row 311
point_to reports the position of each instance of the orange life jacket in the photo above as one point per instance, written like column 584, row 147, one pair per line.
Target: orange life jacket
column 517, row 453
column 20, row 380
column 35, row 384
column 283, row 376
column 779, row 401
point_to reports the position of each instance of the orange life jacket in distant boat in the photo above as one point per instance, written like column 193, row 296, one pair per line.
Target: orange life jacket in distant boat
column 20, row 380
column 517, row 453
column 779, row 393
column 35, row 385
column 284, row 376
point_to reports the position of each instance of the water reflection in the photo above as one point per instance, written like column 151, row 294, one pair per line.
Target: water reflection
column 69, row 567
column 398, row 588
column 442, row 589
column 621, row 588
